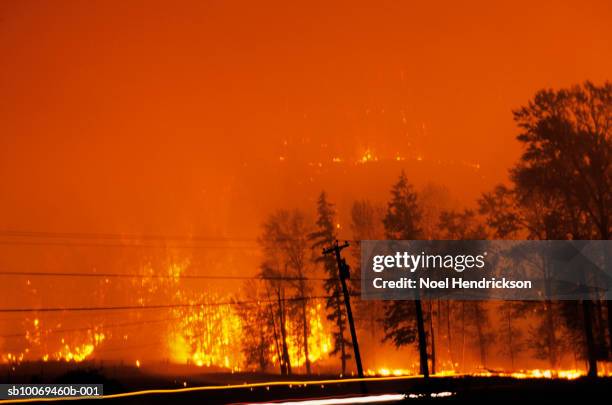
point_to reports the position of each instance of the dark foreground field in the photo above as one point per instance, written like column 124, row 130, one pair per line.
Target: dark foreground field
column 454, row 389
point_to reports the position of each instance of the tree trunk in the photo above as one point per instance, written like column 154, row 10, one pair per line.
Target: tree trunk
column 305, row 332
column 422, row 339
column 551, row 338
column 588, row 334
column 510, row 339
column 600, row 327
column 283, row 330
column 481, row 338
column 607, row 268
column 279, row 354
column 609, row 307
column 449, row 333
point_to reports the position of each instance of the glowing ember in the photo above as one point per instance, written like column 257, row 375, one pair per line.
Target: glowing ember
column 386, row 372
column 368, row 156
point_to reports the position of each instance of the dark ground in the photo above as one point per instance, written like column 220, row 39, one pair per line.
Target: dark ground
column 118, row 379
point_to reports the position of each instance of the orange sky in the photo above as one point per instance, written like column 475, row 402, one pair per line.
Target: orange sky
column 172, row 116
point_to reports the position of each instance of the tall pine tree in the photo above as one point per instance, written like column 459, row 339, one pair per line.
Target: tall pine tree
column 323, row 237
column 402, row 222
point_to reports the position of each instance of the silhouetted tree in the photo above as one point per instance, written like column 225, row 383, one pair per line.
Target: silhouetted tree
column 324, row 236
column 287, row 249
column 510, row 335
column 461, row 225
column 257, row 328
column 366, row 224
column 297, row 250
column 474, row 315
column 562, row 185
column 433, row 199
column 276, row 289
column 519, row 212
column 568, row 151
column 276, row 272
column 402, row 223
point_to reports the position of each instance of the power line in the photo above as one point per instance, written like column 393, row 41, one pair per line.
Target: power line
column 120, row 236
column 162, row 276
column 103, row 350
column 126, row 245
column 133, row 237
column 162, row 306
column 52, row 316
column 102, row 327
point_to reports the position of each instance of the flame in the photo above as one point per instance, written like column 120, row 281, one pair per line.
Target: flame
column 42, row 345
column 206, row 336
column 319, row 339
column 210, row 336
column 386, row 372
column 77, row 347
column 568, row 374
column 368, row 156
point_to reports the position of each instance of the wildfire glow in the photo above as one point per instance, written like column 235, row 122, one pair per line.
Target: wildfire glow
column 43, row 344
column 319, row 340
column 368, row 156
column 206, row 336
column 569, row 374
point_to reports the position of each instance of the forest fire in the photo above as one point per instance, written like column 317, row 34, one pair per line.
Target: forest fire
column 206, row 336
column 191, row 192
column 211, row 336
column 45, row 344
column 569, row 374
column 319, row 340
column 204, row 333
column 77, row 347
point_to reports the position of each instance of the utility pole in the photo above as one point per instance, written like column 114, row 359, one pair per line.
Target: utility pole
column 343, row 270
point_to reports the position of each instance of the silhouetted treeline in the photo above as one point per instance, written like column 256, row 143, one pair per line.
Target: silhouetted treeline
column 560, row 188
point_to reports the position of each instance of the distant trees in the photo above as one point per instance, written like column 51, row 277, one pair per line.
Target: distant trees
column 403, row 217
column 285, row 247
column 461, row 225
column 322, row 237
column 433, row 199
